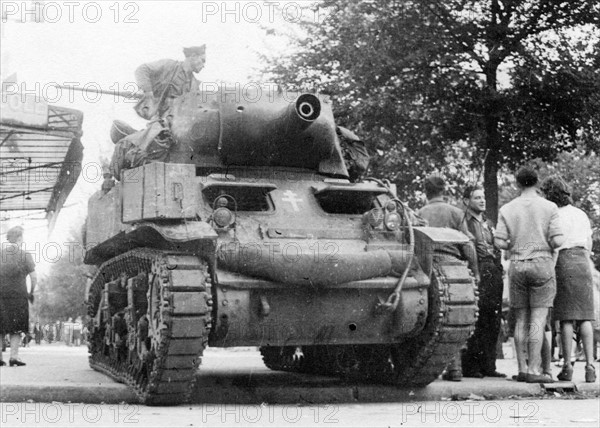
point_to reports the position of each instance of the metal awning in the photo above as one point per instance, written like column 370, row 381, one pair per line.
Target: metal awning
column 40, row 154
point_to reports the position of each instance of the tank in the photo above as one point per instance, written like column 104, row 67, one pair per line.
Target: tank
column 253, row 235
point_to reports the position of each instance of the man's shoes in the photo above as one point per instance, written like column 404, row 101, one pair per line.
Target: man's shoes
column 15, row 362
column 540, row 378
column 2, row 363
column 590, row 373
column 521, row 377
column 493, row 374
column 566, row 373
column 453, row 375
column 478, row 375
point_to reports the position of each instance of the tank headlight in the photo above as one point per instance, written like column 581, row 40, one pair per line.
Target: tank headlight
column 373, row 217
column 223, row 217
column 392, row 220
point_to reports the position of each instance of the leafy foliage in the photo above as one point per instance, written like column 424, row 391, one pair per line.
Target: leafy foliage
column 506, row 80
column 61, row 293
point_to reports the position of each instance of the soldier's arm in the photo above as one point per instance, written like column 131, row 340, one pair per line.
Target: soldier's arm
column 146, row 73
column 33, row 278
column 501, row 239
column 500, row 243
column 469, row 250
column 30, row 269
column 470, row 254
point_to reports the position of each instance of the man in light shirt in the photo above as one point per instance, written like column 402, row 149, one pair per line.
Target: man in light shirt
column 529, row 228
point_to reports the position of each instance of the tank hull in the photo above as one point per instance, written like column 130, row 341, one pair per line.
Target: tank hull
column 276, row 278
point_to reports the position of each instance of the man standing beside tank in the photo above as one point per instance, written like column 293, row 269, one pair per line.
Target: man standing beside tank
column 529, row 228
column 161, row 82
column 15, row 266
column 439, row 213
column 479, row 358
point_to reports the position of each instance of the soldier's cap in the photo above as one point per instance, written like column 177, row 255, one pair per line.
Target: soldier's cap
column 435, row 183
column 194, row 50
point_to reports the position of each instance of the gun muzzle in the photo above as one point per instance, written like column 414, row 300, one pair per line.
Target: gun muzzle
column 308, row 107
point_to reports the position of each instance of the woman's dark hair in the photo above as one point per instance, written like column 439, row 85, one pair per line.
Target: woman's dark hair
column 556, row 190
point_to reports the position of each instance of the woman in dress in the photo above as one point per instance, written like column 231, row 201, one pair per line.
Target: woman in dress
column 574, row 302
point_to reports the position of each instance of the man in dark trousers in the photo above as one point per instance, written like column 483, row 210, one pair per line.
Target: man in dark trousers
column 479, row 359
column 15, row 266
column 439, row 213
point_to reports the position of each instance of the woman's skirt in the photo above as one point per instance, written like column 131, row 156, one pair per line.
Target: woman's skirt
column 574, row 293
column 14, row 315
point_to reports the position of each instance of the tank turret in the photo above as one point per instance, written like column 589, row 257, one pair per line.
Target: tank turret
column 255, row 127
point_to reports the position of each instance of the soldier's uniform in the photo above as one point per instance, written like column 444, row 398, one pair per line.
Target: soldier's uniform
column 438, row 213
column 162, row 82
column 479, row 359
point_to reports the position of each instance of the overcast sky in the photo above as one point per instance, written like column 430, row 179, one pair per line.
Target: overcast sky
column 100, row 44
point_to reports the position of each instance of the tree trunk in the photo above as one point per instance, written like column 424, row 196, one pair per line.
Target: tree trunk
column 490, row 184
column 492, row 139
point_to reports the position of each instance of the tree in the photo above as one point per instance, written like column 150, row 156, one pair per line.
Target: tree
column 418, row 76
column 61, row 293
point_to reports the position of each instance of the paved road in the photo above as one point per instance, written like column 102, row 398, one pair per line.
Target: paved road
column 238, row 376
column 503, row 413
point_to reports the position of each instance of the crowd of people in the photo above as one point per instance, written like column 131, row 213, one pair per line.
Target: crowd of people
column 547, row 243
column 70, row 332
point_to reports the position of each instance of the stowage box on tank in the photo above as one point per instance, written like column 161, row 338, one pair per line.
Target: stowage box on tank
column 252, row 235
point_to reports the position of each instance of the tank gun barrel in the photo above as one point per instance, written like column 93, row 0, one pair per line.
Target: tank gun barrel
column 124, row 94
column 301, row 113
column 308, row 107
column 288, row 130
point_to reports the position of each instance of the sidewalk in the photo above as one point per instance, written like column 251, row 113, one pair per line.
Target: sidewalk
column 60, row 373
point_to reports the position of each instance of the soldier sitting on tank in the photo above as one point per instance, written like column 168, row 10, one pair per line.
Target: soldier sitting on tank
column 161, row 82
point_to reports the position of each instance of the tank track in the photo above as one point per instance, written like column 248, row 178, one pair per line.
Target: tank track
column 153, row 330
column 416, row 361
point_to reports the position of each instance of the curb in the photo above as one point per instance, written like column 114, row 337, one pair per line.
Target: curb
column 84, row 393
column 279, row 393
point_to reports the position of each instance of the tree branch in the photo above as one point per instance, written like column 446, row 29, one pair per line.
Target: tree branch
column 445, row 20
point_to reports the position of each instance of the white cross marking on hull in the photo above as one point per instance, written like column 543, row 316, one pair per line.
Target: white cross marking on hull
column 292, row 199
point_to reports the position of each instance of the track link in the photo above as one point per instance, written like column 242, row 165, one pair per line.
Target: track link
column 153, row 329
column 416, row 361
column 452, row 316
